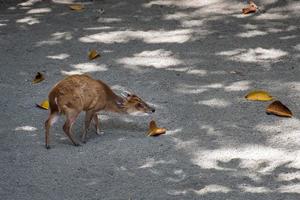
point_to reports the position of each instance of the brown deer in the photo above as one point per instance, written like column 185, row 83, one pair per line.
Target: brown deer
column 78, row 93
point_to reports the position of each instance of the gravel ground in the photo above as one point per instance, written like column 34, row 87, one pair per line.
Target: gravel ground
column 193, row 60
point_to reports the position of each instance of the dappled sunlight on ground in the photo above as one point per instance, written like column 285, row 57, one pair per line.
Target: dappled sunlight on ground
column 29, row 2
column 65, row 1
column 28, row 20
column 213, row 189
column 271, row 16
column 150, row 37
column 210, row 130
column 26, row 128
column 288, row 37
column 238, row 86
column 109, row 20
column 249, row 26
column 190, row 89
column 254, row 189
column 252, row 33
column 39, row 10
column 198, row 72
column 203, row 191
column 204, row 72
column 197, row 89
column 151, row 162
column 205, row 6
column 297, row 47
column 98, row 28
column 291, row 7
column 56, row 38
column 284, row 133
column 59, row 56
column 260, row 159
column 215, row 103
column 259, row 55
column 157, row 58
column 280, row 125
column 288, row 176
column 178, row 175
column 174, row 131
column 85, row 68
column 292, row 188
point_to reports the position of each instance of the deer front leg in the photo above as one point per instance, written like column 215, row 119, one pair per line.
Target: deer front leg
column 88, row 118
column 96, row 122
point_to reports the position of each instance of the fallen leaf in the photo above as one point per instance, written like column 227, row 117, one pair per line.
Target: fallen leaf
column 259, row 95
column 251, row 8
column 38, row 78
column 76, row 7
column 43, row 105
column 154, row 130
column 93, row 54
column 100, row 11
column 277, row 108
column 236, row 72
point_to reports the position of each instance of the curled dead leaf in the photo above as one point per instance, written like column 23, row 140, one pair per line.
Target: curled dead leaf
column 277, row 108
column 43, row 105
column 93, row 54
column 76, row 7
column 251, row 8
column 38, row 78
column 258, row 95
column 154, row 130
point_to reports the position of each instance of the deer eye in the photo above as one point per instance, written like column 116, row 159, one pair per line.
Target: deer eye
column 139, row 105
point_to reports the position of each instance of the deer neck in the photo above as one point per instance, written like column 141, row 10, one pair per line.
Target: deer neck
column 115, row 103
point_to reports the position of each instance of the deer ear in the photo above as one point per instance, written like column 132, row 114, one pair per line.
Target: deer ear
column 125, row 94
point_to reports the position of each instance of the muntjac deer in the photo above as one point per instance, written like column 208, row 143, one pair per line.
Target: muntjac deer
column 78, row 93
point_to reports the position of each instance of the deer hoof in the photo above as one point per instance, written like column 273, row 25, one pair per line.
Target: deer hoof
column 77, row 144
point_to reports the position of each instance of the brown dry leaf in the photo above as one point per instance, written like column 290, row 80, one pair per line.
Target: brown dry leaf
column 93, row 54
column 259, row 95
column 154, row 130
column 277, row 108
column 38, row 78
column 43, row 105
column 76, row 7
column 251, row 8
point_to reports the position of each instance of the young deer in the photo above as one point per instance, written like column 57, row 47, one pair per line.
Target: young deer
column 78, row 93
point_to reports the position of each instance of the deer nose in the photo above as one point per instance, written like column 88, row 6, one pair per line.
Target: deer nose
column 153, row 110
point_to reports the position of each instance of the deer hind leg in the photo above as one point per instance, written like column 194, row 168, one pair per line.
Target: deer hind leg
column 71, row 116
column 88, row 118
column 96, row 122
column 48, row 123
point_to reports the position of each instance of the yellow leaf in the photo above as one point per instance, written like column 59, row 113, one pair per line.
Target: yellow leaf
column 76, row 7
column 44, row 105
column 277, row 108
column 38, row 78
column 154, row 130
column 93, row 54
column 251, row 8
column 259, row 95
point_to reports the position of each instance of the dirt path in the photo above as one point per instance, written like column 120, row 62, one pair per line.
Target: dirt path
column 193, row 60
